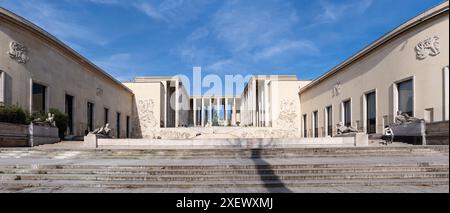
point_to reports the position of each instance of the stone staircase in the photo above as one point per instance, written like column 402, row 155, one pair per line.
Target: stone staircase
column 220, row 153
column 227, row 168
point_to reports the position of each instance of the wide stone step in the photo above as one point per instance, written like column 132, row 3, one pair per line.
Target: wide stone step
column 217, row 166
column 223, row 184
column 216, row 171
column 238, row 150
column 188, row 178
column 200, row 156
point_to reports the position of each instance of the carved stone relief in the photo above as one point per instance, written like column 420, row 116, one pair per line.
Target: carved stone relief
column 337, row 89
column 428, row 47
column 18, row 52
column 287, row 115
column 99, row 92
column 146, row 118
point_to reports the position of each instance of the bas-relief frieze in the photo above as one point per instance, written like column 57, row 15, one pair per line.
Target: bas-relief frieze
column 336, row 89
column 18, row 52
column 428, row 47
column 288, row 115
column 146, row 112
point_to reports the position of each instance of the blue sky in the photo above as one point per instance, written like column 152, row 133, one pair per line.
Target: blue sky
column 129, row 38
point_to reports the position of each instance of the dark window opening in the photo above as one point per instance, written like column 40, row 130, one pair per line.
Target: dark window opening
column 118, row 125
column 329, row 121
column 405, row 97
column 371, row 113
column 69, row 112
column 106, row 115
column 316, row 124
column 347, row 114
column 128, row 127
column 90, row 116
column 305, row 126
column 39, row 96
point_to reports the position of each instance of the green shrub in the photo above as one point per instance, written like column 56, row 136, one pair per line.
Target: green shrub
column 42, row 116
column 13, row 114
column 61, row 120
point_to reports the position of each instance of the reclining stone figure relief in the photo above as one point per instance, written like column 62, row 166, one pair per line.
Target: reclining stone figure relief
column 49, row 121
column 102, row 131
column 404, row 118
column 342, row 129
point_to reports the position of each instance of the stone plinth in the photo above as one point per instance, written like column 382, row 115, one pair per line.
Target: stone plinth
column 13, row 135
column 40, row 135
column 90, row 141
column 360, row 139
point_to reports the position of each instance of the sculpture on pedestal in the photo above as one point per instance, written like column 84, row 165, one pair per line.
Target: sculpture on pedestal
column 49, row 121
column 342, row 129
column 102, row 131
column 404, row 118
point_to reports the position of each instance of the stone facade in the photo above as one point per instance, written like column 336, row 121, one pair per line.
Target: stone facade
column 30, row 55
column 414, row 51
column 269, row 107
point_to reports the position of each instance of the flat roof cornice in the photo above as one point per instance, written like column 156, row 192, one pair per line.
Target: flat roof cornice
column 431, row 13
column 36, row 30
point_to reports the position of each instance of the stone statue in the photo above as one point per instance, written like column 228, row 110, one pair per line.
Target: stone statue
column 102, row 131
column 403, row 118
column 49, row 121
column 342, row 129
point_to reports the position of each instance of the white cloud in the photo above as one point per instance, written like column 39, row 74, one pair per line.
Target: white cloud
column 150, row 11
column 302, row 47
column 241, row 33
column 334, row 11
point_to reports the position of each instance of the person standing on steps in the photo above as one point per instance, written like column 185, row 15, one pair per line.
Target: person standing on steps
column 388, row 136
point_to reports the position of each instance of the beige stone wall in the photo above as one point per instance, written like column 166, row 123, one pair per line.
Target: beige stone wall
column 285, row 104
column 63, row 74
column 148, row 106
column 379, row 71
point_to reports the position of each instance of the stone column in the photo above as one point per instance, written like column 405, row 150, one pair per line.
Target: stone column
column 210, row 112
column 266, row 104
column 225, row 114
column 203, row 112
column 233, row 115
column 177, row 103
column 254, row 102
column 218, row 109
column 165, row 104
column 194, row 112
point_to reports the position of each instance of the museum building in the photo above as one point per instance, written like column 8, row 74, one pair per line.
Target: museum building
column 405, row 70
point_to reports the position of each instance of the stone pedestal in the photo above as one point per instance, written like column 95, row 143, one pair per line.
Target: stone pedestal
column 40, row 135
column 90, row 141
column 361, row 139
